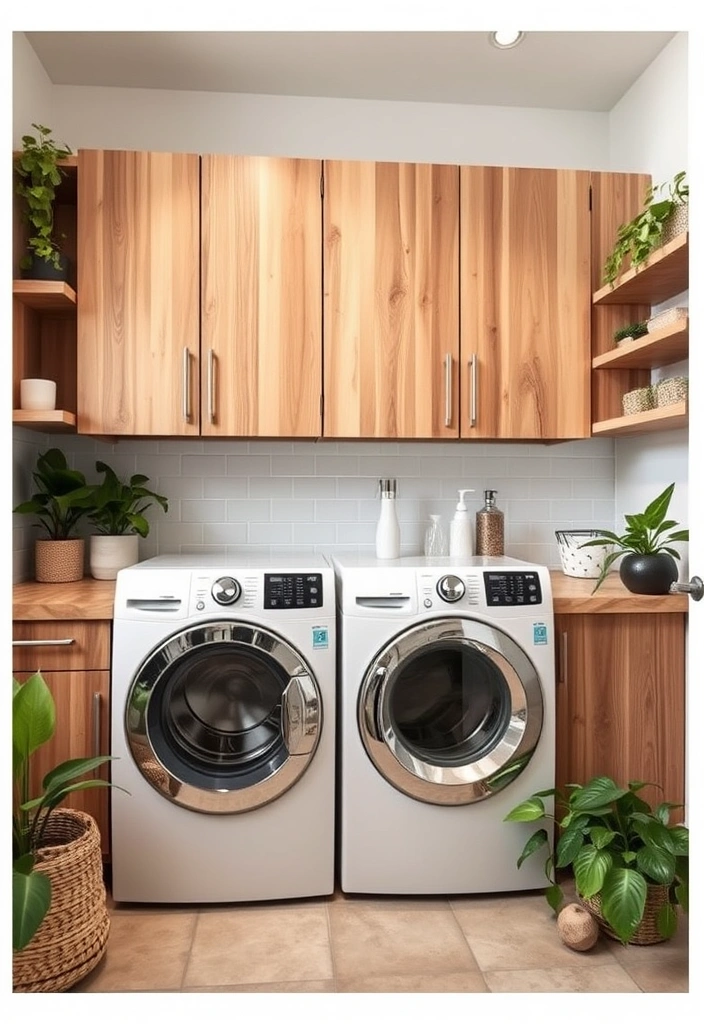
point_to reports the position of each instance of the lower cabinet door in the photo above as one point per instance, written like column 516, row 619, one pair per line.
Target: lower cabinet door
column 621, row 701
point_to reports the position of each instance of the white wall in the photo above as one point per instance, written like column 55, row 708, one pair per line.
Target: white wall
column 32, row 91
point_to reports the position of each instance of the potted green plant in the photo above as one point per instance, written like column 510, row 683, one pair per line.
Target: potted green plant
column 39, row 172
column 630, row 332
column 648, row 565
column 59, row 914
column 118, row 516
column 63, row 498
column 630, row 864
column 650, row 228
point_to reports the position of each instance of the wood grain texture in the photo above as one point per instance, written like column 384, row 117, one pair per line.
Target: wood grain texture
column 661, row 348
column 90, row 648
column 664, row 273
column 74, row 694
column 261, row 296
column 391, row 301
column 574, row 596
column 621, row 701
column 84, row 599
column 138, row 292
column 666, row 417
column 616, row 199
column 525, row 301
column 52, row 295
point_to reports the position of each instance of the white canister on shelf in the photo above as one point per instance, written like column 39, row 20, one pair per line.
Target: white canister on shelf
column 388, row 533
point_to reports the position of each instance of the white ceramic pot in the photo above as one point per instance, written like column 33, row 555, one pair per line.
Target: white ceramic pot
column 577, row 561
column 110, row 554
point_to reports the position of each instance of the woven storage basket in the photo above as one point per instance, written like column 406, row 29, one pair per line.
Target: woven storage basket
column 646, row 934
column 666, row 317
column 670, row 390
column 676, row 223
column 58, row 561
column 639, row 400
column 72, row 937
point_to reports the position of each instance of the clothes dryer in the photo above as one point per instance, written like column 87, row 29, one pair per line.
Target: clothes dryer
column 446, row 721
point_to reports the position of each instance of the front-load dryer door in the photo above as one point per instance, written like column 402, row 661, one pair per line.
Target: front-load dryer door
column 450, row 711
column 223, row 717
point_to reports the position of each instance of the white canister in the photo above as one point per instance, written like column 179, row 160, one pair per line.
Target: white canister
column 578, row 561
column 37, row 394
column 110, row 554
column 388, row 533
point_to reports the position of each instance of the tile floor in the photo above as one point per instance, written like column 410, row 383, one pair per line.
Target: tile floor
column 504, row 943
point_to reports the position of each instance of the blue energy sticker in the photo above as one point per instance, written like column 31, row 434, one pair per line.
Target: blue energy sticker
column 320, row 636
column 540, row 633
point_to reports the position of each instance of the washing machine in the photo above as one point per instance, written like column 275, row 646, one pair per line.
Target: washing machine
column 446, row 721
column 223, row 730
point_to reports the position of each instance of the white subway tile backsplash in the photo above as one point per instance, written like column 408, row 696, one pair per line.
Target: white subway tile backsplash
column 170, row 536
column 270, row 487
column 248, row 511
column 357, row 486
column 314, row 487
column 293, row 465
column 205, row 465
column 388, row 465
column 356, row 533
column 270, row 533
column 250, row 465
column 336, row 511
column 292, row 511
column 576, row 511
column 173, row 487
column 314, row 533
column 571, row 467
column 226, row 487
column 203, row 511
column 338, row 465
column 224, row 533
column 181, row 446
column 156, row 466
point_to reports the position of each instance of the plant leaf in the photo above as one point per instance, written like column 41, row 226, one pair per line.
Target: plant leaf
column 597, row 793
column 590, row 868
column 537, row 840
column 568, row 846
column 623, row 900
column 679, row 834
column 657, row 864
column 667, row 920
column 33, row 719
column 529, row 810
column 656, row 511
column 31, row 899
column 601, row 836
column 554, row 896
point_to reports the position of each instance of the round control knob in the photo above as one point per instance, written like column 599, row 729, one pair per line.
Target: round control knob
column 451, row 588
column 226, row 590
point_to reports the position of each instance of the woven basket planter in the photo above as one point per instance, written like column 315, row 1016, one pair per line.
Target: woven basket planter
column 676, row 223
column 72, row 937
column 646, row 934
column 58, row 561
column 670, row 390
column 666, row 317
column 639, row 400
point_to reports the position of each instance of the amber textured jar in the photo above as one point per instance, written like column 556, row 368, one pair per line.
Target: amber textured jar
column 490, row 527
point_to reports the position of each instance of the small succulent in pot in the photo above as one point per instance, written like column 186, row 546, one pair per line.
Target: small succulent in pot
column 631, row 331
column 648, row 566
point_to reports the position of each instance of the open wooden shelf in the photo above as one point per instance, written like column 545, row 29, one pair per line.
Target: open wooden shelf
column 669, row 417
column 52, row 421
column 664, row 274
column 661, row 348
column 45, row 295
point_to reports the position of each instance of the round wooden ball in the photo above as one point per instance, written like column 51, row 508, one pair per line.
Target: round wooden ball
column 577, row 928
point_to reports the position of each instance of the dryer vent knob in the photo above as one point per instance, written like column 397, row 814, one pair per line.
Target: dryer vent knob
column 451, row 588
column 226, row 590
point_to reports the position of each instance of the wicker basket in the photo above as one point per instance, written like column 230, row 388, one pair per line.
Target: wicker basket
column 646, row 934
column 72, row 937
column 676, row 224
column 58, row 561
column 666, row 317
column 638, row 401
column 670, row 390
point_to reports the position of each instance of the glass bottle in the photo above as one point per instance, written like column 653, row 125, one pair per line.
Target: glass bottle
column 435, row 538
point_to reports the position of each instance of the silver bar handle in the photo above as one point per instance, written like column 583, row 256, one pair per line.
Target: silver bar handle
column 448, row 389
column 97, row 700
column 695, row 588
column 44, row 643
column 211, row 385
column 473, row 390
column 185, row 385
column 563, row 658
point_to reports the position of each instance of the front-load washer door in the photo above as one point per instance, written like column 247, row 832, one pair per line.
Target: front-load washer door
column 450, row 711
column 223, row 717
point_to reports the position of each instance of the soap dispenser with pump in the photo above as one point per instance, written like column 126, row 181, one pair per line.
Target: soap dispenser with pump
column 461, row 528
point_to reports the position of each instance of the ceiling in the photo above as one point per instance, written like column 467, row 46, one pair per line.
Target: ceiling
column 565, row 70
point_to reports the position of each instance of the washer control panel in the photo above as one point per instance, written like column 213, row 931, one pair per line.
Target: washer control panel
column 512, row 588
column 225, row 590
column 451, row 588
column 294, row 590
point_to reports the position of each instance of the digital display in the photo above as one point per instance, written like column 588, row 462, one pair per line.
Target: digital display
column 504, row 589
column 299, row 590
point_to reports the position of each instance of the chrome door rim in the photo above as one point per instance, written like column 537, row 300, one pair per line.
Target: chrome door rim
column 301, row 718
column 471, row 782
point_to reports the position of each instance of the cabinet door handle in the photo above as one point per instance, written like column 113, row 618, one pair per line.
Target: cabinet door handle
column 186, row 385
column 473, row 390
column 448, row 389
column 44, row 643
column 211, row 385
column 96, row 724
column 563, row 658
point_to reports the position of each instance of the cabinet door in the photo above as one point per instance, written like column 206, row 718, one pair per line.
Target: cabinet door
column 82, row 730
column 621, row 700
column 138, row 293
column 261, row 297
column 525, row 303
column 391, row 300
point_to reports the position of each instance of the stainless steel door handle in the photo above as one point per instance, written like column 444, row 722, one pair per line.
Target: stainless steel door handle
column 695, row 588
column 44, row 643
column 96, row 724
column 448, row 389
column 186, row 385
column 211, row 385
column 473, row 390
column 563, row 658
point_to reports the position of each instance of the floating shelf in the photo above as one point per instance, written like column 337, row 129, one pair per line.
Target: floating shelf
column 45, row 295
column 669, row 417
column 52, row 421
column 666, row 273
column 661, row 348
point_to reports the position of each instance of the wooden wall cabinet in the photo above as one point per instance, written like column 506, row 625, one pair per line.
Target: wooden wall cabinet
column 621, row 700
column 78, row 675
column 261, row 316
column 525, row 302
column 391, row 300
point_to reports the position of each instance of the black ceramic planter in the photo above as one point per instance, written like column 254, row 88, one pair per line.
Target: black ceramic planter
column 44, row 270
column 648, row 574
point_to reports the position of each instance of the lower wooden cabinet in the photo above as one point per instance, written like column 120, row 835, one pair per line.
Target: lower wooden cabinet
column 78, row 675
column 621, row 700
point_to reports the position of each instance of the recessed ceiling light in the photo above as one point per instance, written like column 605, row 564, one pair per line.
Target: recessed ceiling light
column 506, row 40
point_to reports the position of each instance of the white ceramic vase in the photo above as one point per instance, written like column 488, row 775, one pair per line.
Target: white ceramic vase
column 110, row 554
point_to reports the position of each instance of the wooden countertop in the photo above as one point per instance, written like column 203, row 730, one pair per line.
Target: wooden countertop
column 94, row 599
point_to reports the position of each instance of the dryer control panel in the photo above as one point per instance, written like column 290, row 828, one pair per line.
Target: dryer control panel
column 512, row 588
column 293, row 590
